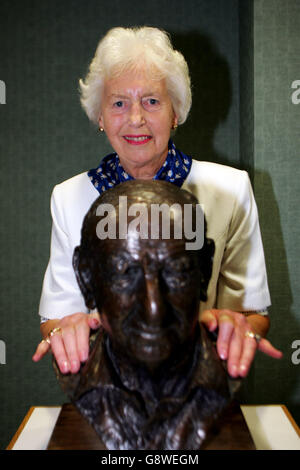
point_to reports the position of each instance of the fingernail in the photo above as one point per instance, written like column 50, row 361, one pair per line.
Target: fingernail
column 64, row 367
column 223, row 355
column 74, row 366
column 84, row 356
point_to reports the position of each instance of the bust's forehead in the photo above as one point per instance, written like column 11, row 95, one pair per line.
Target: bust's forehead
column 136, row 249
column 147, row 191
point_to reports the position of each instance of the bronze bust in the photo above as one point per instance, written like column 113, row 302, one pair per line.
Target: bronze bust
column 153, row 379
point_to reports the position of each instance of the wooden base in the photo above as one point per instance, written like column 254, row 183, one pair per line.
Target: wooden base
column 231, row 432
column 72, row 432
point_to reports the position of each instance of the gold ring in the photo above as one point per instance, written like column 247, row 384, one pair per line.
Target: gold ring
column 54, row 331
column 46, row 340
column 255, row 336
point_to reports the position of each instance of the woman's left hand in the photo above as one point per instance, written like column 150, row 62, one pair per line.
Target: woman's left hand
column 234, row 343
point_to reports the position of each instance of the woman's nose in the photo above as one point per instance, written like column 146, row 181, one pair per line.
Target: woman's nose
column 137, row 115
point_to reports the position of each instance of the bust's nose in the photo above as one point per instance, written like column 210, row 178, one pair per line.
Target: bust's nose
column 154, row 303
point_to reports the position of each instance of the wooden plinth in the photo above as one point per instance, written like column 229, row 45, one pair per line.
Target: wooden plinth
column 72, row 432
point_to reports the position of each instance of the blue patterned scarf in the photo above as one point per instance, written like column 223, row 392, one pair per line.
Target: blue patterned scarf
column 110, row 172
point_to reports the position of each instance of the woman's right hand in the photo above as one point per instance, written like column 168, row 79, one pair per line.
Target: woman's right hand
column 70, row 340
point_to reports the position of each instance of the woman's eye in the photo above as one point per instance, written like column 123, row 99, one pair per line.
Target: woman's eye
column 118, row 104
column 151, row 103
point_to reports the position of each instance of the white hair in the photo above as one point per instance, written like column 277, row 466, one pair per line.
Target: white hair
column 123, row 49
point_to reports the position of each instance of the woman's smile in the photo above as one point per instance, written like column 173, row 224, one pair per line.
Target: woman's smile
column 137, row 139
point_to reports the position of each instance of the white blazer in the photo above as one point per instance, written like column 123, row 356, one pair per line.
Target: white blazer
column 239, row 279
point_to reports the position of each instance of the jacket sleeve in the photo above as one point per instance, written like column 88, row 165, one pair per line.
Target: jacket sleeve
column 61, row 295
column 242, row 283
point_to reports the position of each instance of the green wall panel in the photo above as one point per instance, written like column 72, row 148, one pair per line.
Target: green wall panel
column 277, row 189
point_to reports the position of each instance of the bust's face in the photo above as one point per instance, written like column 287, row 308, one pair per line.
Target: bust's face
column 149, row 296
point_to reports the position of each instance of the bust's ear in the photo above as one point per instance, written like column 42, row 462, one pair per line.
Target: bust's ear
column 84, row 277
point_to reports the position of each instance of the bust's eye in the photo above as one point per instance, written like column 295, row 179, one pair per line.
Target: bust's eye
column 182, row 264
column 179, row 273
column 123, row 267
column 132, row 271
column 125, row 276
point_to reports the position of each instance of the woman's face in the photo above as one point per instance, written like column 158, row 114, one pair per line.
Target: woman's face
column 137, row 116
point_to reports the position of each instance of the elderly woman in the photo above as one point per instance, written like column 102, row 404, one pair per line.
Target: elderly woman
column 137, row 91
